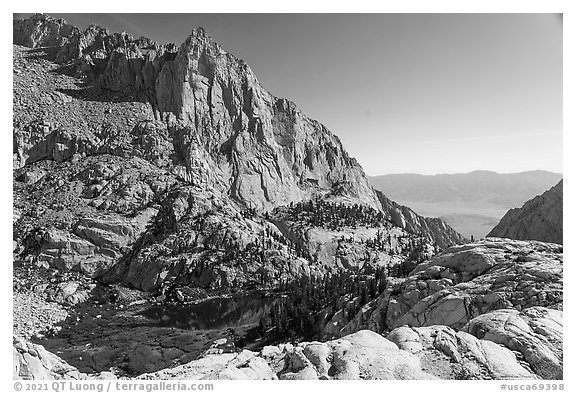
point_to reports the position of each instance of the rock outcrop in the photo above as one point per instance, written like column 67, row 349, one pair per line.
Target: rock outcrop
column 95, row 244
column 407, row 353
column 243, row 365
column 363, row 355
column 451, row 354
column 507, row 292
column 467, row 281
column 540, row 218
column 489, row 275
column 32, row 361
column 535, row 332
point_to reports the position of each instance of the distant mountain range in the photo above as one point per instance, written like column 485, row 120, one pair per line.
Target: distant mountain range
column 472, row 203
column 506, row 190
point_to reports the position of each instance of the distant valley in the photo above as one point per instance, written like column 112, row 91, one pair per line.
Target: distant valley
column 472, row 203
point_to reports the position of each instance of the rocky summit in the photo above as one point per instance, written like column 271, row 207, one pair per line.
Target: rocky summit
column 142, row 163
column 540, row 218
column 173, row 219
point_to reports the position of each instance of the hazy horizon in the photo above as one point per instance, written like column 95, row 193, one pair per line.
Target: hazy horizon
column 467, row 173
column 406, row 93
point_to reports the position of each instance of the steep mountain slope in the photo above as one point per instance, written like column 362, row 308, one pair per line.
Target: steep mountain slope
column 540, row 218
column 271, row 153
column 268, row 153
column 154, row 166
column 145, row 174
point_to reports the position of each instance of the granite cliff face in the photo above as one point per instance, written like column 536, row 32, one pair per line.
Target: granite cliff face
column 149, row 201
column 541, row 218
column 271, row 153
column 174, row 173
column 264, row 151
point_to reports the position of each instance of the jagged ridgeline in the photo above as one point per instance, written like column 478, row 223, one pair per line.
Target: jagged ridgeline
column 165, row 167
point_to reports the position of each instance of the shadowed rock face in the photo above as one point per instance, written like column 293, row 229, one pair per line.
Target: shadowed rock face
column 118, row 61
column 34, row 362
column 41, row 30
column 538, row 219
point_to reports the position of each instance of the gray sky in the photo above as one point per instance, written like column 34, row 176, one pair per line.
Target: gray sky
column 421, row 93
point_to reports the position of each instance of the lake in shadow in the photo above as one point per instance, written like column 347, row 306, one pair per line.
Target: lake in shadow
column 217, row 313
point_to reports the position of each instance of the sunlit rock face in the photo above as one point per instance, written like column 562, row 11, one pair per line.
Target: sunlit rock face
column 466, row 281
column 32, row 361
column 273, row 154
column 172, row 172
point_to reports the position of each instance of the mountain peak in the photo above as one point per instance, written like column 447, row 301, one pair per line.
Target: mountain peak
column 260, row 150
column 200, row 32
column 199, row 40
